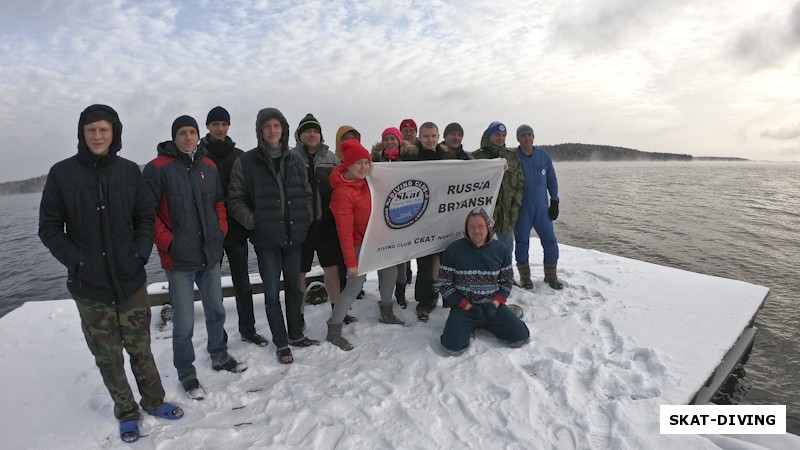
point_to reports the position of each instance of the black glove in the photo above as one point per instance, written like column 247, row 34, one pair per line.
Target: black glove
column 553, row 210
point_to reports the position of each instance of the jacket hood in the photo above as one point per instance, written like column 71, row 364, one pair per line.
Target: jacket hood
column 489, row 223
column 272, row 113
column 487, row 145
column 339, row 133
column 100, row 112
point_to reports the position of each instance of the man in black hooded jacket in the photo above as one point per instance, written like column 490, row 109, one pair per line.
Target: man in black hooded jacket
column 269, row 195
column 96, row 218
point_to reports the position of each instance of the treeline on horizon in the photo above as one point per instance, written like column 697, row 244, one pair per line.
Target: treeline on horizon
column 593, row 152
column 558, row 152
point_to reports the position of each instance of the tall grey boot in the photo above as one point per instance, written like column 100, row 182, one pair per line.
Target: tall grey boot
column 335, row 337
column 387, row 315
column 551, row 278
column 525, row 275
column 348, row 319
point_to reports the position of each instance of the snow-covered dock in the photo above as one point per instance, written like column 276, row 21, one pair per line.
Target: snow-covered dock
column 621, row 339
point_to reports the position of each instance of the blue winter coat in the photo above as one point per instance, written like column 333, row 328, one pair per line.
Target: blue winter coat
column 540, row 179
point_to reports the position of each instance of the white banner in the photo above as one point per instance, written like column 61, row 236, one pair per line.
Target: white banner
column 419, row 207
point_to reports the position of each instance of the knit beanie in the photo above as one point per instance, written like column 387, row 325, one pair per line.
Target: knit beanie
column 353, row 152
column 494, row 127
column 408, row 123
column 218, row 114
column 524, row 129
column 453, row 127
column 394, row 132
column 308, row 122
column 184, row 121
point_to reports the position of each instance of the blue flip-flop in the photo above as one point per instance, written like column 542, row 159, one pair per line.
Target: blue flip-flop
column 129, row 430
column 167, row 411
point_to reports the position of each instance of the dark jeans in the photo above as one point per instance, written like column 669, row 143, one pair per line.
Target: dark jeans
column 181, row 295
column 501, row 322
column 240, row 275
column 272, row 261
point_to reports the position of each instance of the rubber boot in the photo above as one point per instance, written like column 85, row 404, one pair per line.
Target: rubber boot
column 335, row 337
column 551, row 278
column 400, row 294
column 387, row 315
column 525, row 275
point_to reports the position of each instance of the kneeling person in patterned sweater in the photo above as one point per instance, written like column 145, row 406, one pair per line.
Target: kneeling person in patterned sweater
column 475, row 279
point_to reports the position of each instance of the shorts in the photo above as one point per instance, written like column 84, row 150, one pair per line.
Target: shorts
column 322, row 239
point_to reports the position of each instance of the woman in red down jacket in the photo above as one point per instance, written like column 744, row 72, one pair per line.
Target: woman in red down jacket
column 351, row 205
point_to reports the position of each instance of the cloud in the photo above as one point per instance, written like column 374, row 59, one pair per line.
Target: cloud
column 786, row 133
column 635, row 74
column 608, row 25
column 769, row 39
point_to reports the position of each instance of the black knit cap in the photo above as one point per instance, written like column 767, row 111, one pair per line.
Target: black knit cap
column 453, row 127
column 218, row 114
column 184, row 121
column 309, row 121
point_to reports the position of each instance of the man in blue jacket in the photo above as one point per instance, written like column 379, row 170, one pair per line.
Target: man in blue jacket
column 96, row 218
column 538, row 211
column 190, row 228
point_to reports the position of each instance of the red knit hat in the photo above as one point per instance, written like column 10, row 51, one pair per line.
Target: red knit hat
column 353, row 152
column 408, row 123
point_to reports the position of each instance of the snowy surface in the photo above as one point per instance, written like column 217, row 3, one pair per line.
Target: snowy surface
column 622, row 338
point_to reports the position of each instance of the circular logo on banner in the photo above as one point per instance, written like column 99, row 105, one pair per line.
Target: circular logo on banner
column 405, row 204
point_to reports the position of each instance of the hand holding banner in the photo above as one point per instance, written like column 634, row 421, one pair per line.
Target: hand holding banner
column 418, row 207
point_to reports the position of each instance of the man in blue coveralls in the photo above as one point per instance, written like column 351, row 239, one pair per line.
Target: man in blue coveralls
column 538, row 211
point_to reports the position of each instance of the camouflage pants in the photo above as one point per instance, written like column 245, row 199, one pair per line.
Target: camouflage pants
column 110, row 328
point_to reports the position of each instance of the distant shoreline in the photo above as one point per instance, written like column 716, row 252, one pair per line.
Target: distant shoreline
column 559, row 153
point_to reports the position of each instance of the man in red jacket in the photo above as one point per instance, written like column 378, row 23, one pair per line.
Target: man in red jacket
column 190, row 228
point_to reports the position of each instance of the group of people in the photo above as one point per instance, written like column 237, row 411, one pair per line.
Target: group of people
column 202, row 198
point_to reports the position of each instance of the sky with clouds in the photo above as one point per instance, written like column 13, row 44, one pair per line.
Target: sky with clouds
column 706, row 78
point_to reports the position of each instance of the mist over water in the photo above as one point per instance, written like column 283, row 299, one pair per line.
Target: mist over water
column 735, row 220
